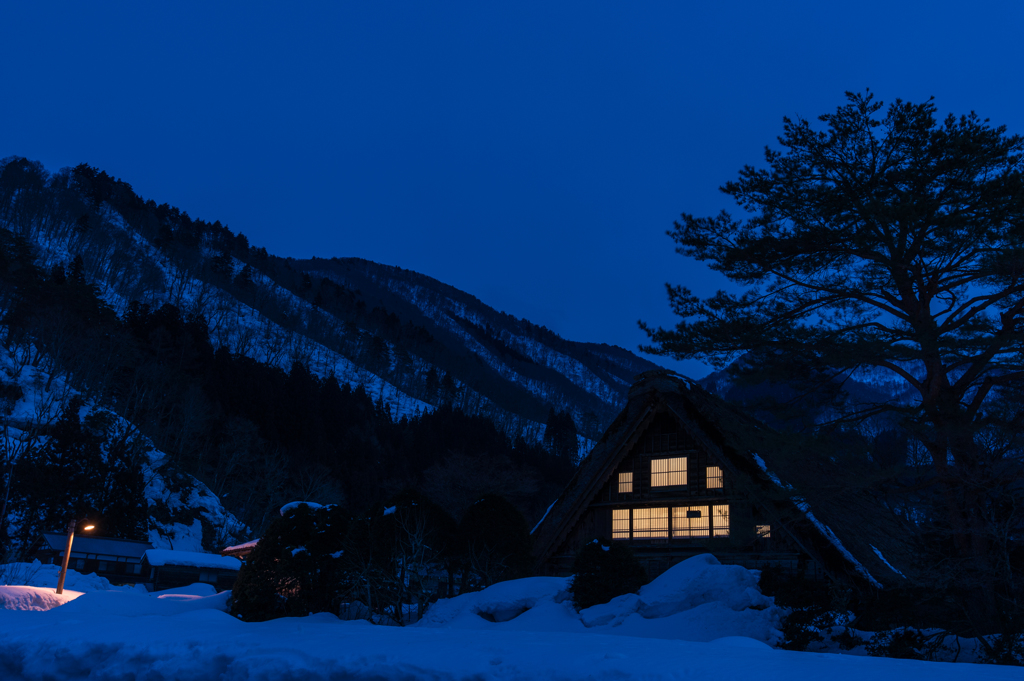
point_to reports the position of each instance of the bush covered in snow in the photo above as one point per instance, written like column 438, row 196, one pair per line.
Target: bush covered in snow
column 296, row 568
column 603, row 572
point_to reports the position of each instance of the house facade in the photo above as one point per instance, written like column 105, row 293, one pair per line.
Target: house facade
column 118, row 560
column 167, row 569
column 680, row 472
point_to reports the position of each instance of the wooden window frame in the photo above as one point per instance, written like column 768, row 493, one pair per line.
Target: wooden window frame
column 671, row 522
column 674, row 475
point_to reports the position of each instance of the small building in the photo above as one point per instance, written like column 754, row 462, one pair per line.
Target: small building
column 118, row 560
column 681, row 472
column 168, row 569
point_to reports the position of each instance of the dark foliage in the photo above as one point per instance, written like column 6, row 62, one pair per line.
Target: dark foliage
column 603, row 571
column 296, row 569
column 560, row 436
column 890, row 241
column 88, row 468
column 495, row 541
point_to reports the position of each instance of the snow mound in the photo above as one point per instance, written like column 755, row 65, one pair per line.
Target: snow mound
column 197, row 589
column 136, row 604
column 295, row 504
column 697, row 600
column 699, row 580
column 740, row 642
column 37, row 574
column 33, row 598
column 501, row 602
column 614, row 610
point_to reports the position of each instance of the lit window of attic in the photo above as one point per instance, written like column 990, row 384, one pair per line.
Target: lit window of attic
column 625, row 483
column 668, row 472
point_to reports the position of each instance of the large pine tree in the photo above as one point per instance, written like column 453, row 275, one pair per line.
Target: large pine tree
column 888, row 240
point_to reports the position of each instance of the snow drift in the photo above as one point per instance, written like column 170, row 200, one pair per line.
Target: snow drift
column 697, row 600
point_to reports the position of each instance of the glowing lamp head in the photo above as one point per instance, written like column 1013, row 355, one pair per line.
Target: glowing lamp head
column 86, row 528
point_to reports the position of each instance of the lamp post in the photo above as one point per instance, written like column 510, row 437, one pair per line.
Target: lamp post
column 67, row 553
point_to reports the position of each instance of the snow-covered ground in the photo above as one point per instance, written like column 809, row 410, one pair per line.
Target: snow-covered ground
column 186, row 634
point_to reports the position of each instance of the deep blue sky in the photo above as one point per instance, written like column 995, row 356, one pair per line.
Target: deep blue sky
column 532, row 155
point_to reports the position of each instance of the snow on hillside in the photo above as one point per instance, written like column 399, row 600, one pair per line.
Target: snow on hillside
column 233, row 324
column 444, row 311
column 185, row 503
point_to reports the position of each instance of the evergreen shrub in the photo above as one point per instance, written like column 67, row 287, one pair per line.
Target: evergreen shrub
column 296, row 568
column 495, row 540
column 603, row 571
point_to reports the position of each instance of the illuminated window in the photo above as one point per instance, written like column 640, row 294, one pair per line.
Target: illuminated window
column 625, row 483
column 668, row 472
column 714, row 477
column 690, row 521
column 650, row 522
column 763, row 531
column 720, row 520
column 620, row 523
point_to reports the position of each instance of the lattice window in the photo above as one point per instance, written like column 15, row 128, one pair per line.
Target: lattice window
column 763, row 531
column 625, row 483
column 715, row 477
column 650, row 522
column 690, row 521
column 720, row 520
column 668, row 472
column 620, row 523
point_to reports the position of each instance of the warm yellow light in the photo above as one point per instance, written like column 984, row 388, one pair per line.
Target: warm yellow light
column 89, row 527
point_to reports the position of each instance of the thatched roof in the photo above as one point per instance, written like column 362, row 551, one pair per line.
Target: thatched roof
column 803, row 490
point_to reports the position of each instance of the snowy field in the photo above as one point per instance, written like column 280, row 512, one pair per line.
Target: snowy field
column 524, row 629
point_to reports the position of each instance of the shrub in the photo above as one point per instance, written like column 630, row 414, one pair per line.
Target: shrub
column 495, row 540
column 604, row 571
column 296, row 569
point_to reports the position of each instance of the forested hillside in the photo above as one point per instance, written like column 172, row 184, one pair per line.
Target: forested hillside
column 266, row 379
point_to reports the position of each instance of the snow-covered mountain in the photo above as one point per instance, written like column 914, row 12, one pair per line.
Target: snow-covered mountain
column 257, row 305
column 404, row 341
column 526, row 368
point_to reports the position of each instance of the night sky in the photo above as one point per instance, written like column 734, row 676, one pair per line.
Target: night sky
column 533, row 156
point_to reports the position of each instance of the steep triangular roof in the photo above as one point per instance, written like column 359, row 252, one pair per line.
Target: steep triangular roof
column 848, row 531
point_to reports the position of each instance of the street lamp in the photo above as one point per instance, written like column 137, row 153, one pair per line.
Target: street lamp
column 67, row 553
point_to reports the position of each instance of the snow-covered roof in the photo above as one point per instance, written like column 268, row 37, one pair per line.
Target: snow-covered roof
column 98, row 546
column 295, row 504
column 249, row 545
column 160, row 557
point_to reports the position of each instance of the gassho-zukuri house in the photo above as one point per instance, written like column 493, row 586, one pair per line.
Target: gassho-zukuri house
column 681, row 472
